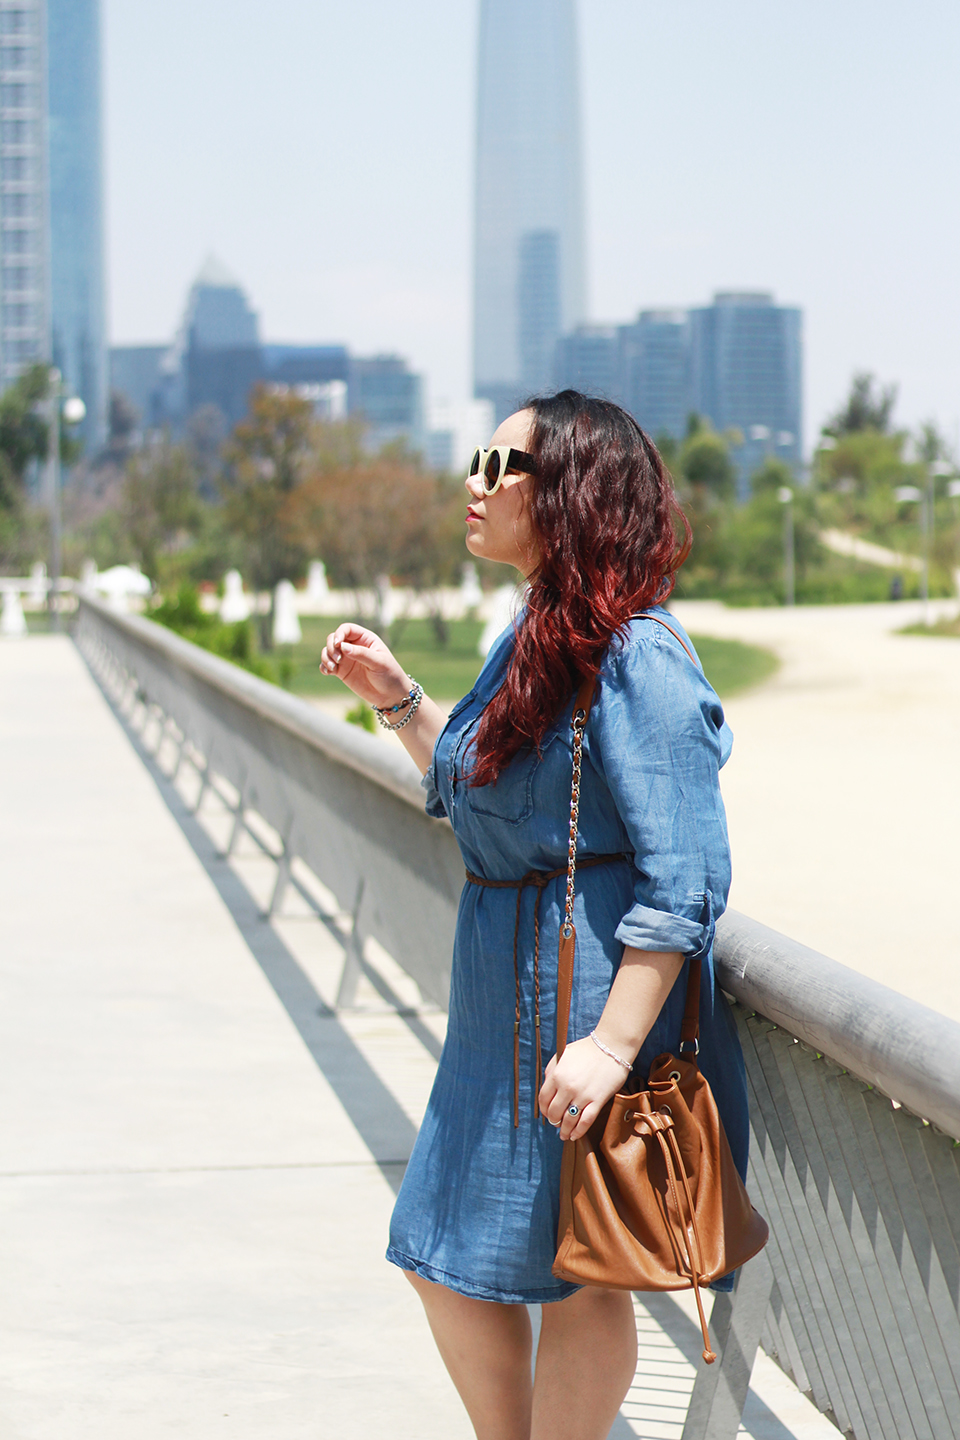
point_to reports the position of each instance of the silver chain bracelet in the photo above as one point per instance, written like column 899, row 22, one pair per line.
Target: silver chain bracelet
column 416, row 695
column 627, row 1064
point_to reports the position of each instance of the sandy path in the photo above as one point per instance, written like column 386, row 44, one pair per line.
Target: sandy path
column 843, row 791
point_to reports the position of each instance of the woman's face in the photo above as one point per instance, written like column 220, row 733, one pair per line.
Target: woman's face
column 498, row 526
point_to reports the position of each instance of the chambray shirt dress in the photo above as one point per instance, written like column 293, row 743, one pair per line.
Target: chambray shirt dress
column 478, row 1208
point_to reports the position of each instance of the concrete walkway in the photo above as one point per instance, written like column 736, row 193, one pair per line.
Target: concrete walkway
column 843, row 790
column 198, row 1159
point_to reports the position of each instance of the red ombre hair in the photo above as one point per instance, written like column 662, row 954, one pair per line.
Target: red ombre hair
column 611, row 536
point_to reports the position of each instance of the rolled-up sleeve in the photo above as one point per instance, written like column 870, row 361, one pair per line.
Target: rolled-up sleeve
column 660, row 741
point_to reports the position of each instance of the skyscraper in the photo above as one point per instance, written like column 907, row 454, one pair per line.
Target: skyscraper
column 215, row 358
column 736, row 362
column 51, row 229
column 746, row 375
column 77, row 286
column 386, row 393
column 589, row 360
column 24, row 252
column 529, row 281
column 655, row 371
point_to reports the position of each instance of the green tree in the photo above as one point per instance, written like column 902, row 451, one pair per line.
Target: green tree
column 23, row 431
column 706, row 479
column 866, row 408
column 24, row 422
column 379, row 516
column 707, row 465
column 160, row 510
column 756, row 536
column 265, row 460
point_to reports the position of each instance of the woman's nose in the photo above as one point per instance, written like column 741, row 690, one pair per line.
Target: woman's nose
column 473, row 486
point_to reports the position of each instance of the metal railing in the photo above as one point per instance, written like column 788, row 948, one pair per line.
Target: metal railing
column 855, row 1090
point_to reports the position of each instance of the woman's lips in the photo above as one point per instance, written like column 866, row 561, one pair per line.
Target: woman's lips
column 472, row 515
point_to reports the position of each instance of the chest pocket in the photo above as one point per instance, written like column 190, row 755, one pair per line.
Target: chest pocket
column 511, row 798
column 460, row 706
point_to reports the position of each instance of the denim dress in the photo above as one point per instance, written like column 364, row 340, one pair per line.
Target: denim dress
column 479, row 1204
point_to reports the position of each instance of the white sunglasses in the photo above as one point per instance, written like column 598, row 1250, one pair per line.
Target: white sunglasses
column 493, row 464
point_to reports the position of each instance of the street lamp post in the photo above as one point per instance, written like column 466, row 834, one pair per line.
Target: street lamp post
column 785, row 496
column 72, row 410
column 781, row 439
column 912, row 494
column 953, row 491
column 937, row 470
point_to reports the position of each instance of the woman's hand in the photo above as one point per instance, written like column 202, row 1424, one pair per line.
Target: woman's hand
column 363, row 662
column 585, row 1077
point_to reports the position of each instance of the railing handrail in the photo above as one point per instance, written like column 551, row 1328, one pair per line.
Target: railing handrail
column 905, row 1049
column 348, row 744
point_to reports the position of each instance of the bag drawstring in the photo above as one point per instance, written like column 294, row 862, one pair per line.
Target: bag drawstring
column 661, row 1124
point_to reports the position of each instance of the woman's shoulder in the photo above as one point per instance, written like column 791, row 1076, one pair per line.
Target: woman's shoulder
column 654, row 669
column 649, row 634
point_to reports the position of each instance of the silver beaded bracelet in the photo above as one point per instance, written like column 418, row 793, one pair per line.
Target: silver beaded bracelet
column 627, row 1064
column 416, row 695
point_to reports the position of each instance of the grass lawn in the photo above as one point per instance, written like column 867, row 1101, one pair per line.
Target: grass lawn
column 940, row 627
column 448, row 672
column 732, row 666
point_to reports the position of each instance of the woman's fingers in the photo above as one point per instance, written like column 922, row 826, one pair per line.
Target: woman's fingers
column 581, row 1124
column 365, row 664
column 352, row 642
column 584, row 1079
column 571, row 1127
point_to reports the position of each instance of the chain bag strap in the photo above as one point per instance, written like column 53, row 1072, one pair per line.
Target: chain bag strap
column 568, row 931
column 582, row 706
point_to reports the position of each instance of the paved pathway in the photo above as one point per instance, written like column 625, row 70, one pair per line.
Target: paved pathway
column 843, row 790
column 198, row 1159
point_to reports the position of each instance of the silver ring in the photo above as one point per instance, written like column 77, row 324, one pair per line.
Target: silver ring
column 573, row 1109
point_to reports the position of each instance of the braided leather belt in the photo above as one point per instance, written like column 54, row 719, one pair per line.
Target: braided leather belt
column 539, row 879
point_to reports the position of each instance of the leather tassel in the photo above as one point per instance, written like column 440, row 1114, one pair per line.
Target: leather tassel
column 539, row 1080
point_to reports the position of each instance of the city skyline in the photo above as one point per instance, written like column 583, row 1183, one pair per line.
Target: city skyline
column 755, row 149
column 736, row 362
column 205, row 373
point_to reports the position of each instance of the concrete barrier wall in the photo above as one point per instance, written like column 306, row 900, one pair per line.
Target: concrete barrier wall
column 855, row 1089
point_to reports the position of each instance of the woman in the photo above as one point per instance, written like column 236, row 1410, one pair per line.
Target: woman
column 578, row 500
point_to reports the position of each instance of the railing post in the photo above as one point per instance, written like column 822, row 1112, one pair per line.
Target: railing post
column 352, row 957
column 206, row 779
column 282, row 880
column 237, row 826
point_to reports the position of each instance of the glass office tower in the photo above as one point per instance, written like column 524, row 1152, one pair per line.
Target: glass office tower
column 24, row 252
column 51, row 227
column 746, row 375
column 529, row 282
column 77, row 298
column 589, row 360
column 655, row 371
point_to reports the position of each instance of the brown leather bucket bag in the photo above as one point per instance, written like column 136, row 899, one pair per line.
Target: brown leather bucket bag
column 650, row 1198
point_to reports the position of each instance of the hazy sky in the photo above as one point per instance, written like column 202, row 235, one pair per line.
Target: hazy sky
column 324, row 152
